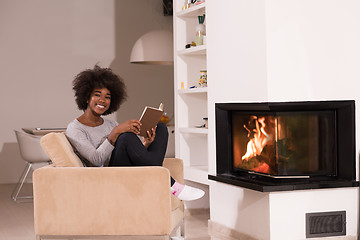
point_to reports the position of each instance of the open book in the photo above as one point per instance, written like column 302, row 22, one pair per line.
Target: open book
column 149, row 118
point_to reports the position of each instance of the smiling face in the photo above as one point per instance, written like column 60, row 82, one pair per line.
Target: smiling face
column 99, row 101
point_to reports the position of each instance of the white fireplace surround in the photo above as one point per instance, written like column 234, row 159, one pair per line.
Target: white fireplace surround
column 276, row 51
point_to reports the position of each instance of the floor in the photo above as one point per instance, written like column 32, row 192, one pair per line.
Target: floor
column 16, row 219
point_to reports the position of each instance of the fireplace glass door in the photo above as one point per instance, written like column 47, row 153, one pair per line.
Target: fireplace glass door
column 285, row 143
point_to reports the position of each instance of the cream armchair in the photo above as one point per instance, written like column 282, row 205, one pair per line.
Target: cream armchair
column 104, row 203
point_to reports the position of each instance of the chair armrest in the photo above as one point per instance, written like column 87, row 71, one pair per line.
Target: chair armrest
column 176, row 168
column 102, row 201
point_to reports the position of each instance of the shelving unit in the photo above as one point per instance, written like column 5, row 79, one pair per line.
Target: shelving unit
column 191, row 103
column 193, row 130
column 192, row 90
column 193, row 11
column 199, row 50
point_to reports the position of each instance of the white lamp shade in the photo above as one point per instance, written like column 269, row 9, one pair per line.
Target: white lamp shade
column 155, row 47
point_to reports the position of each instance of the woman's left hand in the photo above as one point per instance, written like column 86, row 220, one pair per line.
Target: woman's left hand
column 150, row 137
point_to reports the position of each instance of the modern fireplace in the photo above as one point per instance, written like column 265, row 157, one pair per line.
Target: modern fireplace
column 277, row 146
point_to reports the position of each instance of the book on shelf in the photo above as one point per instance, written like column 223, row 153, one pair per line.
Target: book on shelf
column 149, row 118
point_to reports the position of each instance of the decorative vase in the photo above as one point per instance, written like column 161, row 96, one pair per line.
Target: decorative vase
column 203, row 78
column 200, row 31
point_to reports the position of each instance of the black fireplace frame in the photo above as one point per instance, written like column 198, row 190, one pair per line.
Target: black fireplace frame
column 346, row 154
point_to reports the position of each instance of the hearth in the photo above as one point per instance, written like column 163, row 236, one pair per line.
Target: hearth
column 277, row 146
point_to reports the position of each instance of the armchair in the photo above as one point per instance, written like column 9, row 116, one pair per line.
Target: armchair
column 111, row 202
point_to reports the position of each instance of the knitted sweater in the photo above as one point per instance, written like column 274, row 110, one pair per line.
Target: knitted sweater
column 90, row 143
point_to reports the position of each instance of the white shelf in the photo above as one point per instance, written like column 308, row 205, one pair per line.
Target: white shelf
column 191, row 104
column 192, row 90
column 194, row 130
column 196, row 174
column 197, row 50
column 192, row 11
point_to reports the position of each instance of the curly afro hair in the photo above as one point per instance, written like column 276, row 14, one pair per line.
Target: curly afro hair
column 86, row 81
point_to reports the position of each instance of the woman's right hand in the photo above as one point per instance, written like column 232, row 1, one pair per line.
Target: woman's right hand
column 132, row 125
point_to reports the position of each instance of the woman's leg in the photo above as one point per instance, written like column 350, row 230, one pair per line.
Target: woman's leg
column 129, row 150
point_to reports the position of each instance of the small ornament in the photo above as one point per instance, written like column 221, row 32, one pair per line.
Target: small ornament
column 203, row 78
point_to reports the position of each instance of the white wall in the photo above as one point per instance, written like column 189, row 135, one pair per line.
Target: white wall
column 246, row 211
column 287, row 210
column 236, row 57
column 146, row 84
column 314, row 57
column 281, row 50
column 45, row 43
column 312, row 49
column 237, row 72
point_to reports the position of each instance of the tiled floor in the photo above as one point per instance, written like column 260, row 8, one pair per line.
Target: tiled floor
column 196, row 226
column 16, row 219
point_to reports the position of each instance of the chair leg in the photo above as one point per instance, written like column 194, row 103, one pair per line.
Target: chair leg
column 15, row 194
column 182, row 228
column 179, row 231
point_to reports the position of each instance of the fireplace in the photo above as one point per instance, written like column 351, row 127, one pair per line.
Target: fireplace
column 278, row 146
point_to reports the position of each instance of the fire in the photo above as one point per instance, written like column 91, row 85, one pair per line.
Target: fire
column 260, row 138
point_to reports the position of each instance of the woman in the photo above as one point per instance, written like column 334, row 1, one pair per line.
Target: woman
column 101, row 142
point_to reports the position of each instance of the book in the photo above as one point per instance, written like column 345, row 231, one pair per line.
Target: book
column 149, row 118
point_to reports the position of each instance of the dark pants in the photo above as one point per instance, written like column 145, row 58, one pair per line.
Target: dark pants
column 130, row 151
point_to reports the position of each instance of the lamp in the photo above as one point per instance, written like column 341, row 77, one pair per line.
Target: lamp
column 155, row 47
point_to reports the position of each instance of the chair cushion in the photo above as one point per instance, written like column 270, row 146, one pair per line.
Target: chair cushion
column 59, row 150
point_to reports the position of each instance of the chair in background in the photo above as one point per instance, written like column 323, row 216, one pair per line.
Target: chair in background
column 31, row 152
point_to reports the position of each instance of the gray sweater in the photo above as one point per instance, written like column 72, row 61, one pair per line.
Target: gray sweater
column 90, row 143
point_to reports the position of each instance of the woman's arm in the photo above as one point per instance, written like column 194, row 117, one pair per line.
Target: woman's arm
column 97, row 155
column 127, row 126
column 134, row 127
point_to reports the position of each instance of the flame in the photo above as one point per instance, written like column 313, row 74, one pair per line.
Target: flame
column 259, row 140
column 264, row 168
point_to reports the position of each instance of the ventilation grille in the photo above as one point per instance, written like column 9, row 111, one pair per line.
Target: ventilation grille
column 325, row 224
